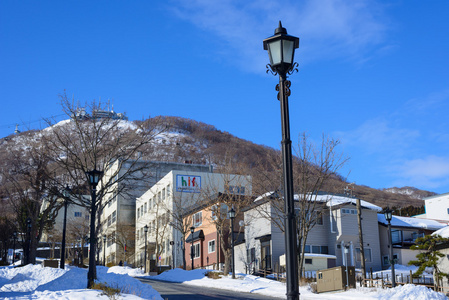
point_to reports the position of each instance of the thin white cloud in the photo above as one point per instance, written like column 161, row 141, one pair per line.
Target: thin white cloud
column 429, row 172
column 327, row 28
column 378, row 136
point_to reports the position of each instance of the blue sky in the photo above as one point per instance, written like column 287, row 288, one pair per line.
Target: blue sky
column 374, row 74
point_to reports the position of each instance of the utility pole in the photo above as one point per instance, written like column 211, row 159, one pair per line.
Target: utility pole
column 362, row 249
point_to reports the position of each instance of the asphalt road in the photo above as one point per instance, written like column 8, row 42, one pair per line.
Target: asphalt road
column 179, row 291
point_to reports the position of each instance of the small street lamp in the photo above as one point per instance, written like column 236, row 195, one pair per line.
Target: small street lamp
column 231, row 215
column 94, row 178
column 192, row 255
column 388, row 216
column 29, row 240
column 66, row 194
column 14, row 237
column 172, row 244
column 145, row 229
column 104, row 249
column 281, row 49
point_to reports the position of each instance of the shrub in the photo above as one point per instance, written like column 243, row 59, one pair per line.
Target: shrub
column 214, row 275
column 110, row 292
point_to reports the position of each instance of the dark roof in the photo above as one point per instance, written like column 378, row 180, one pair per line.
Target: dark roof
column 197, row 235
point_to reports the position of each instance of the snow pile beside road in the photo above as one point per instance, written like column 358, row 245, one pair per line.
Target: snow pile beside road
column 37, row 282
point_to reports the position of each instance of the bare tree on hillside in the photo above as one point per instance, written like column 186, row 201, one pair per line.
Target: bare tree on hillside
column 179, row 220
column 125, row 239
column 236, row 195
column 101, row 141
column 314, row 168
column 27, row 179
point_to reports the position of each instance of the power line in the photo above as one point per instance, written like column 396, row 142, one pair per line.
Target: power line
column 26, row 124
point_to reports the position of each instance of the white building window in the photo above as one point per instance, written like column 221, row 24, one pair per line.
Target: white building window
column 78, row 214
column 196, row 250
column 198, row 219
column 348, row 211
column 114, row 217
column 138, row 213
column 211, row 246
column 145, row 207
column 163, row 194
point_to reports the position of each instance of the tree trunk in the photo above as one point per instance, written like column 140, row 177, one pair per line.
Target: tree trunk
column 184, row 263
column 227, row 262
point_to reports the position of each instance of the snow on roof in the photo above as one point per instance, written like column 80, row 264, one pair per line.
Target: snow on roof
column 330, row 200
column 444, row 232
column 266, row 195
column 397, row 221
column 333, row 200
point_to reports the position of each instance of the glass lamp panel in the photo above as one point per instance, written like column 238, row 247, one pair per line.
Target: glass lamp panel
column 274, row 49
column 388, row 215
column 288, row 50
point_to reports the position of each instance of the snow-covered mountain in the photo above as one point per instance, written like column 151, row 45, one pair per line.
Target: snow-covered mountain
column 189, row 141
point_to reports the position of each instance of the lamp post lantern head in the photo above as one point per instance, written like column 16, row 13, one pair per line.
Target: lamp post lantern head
column 104, row 238
column 192, row 229
column 14, row 234
column 388, row 214
column 94, row 177
column 281, row 49
column 29, row 223
column 231, row 214
column 145, row 228
column 66, row 192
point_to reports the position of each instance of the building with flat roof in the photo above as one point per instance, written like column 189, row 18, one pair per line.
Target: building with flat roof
column 164, row 206
column 118, row 215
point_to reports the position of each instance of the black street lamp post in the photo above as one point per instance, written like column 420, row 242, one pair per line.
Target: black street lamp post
column 192, row 254
column 145, row 229
column 66, row 194
column 172, row 244
column 281, row 49
column 388, row 216
column 29, row 240
column 231, row 215
column 94, row 177
column 14, row 237
column 104, row 249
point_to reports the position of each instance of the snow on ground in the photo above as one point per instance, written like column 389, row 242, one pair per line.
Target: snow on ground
column 36, row 282
column 254, row 284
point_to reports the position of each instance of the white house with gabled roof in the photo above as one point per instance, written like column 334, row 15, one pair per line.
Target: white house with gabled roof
column 404, row 232
column 334, row 238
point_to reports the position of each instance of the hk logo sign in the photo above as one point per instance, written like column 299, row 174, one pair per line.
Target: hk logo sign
column 187, row 183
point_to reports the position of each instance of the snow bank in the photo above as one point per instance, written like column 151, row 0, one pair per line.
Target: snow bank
column 37, row 282
column 410, row 292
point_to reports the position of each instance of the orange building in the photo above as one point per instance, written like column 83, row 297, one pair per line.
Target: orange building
column 206, row 239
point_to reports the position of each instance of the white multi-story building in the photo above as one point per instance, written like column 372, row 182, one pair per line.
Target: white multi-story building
column 76, row 224
column 437, row 208
column 118, row 216
column 162, row 205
